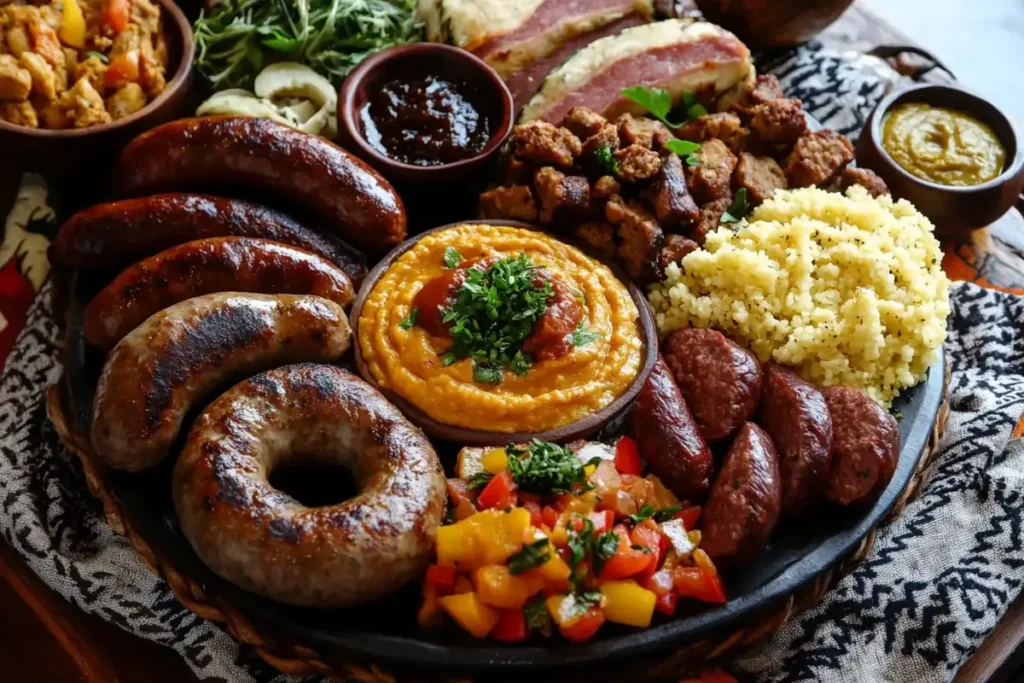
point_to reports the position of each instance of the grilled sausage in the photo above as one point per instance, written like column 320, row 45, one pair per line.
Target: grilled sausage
column 255, row 536
column 219, row 264
column 745, row 500
column 720, row 380
column 667, row 436
column 794, row 414
column 306, row 170
column 865, row 446
column 115, row 234
column 175, row 358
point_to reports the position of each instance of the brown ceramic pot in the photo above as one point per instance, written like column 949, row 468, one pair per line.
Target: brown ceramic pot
column 764, row 23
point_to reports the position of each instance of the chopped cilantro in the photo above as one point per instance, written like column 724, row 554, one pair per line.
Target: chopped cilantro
column 478, row 481
column 580, row 542
column 530, row 557
column 686, row 149
column 659, row 103
column 694, row 109
column 452, row 257
column 648, row 511
column 410, row 319
column 537, row 616
column 606, row 161
column 584, row 335
column 605, row 546
column 583, row 601
column 738, row 208
column 544, row 467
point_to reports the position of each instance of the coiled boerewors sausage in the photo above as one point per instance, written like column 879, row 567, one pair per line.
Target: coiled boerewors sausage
column 115, row 234
column 745, row 500
column 865, row 446
column 306, row 170
column 720, row 380
column 668, row 438
column 218, row 264
column 175, row 358
column 267, row 542
column 794, row 414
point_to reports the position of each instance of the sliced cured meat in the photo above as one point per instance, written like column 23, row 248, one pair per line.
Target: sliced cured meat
column 676, row 54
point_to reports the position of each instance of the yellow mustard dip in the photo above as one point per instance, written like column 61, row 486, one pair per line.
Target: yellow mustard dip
column 942, row 145
column 553, row 392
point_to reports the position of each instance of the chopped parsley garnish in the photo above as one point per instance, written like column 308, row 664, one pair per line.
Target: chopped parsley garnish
column 605, row 546
column 580, row 542
column 530, row 557
column 537, row 616
column 648, row 511
column 410, row 319
column 478, row 481
column 544, row 467
column 584, row 335
column 452, row 257
column 606, row 161
column 686, row 149
column 738, row 208
column 493, row 313
column 583, row 601
column 694, row 109
column 659, row 103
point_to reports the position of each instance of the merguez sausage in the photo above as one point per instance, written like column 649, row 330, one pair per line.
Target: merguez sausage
column 720, row 380
column 745, row 500
column 218, row 264
column 115, row 234
column 865, row 446
column 794, row 414
column 667, row 436
column 350, row 198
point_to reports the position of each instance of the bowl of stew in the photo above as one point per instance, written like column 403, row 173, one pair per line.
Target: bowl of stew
column 79, row 78
column 953, row 154
column 425, row 115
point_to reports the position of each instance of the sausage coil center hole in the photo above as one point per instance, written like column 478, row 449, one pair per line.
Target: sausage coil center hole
column 315, row 484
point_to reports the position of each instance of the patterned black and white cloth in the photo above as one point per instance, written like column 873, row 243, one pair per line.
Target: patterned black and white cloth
column 938, row 580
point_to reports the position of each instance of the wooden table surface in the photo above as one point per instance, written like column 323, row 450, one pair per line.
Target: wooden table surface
column 43, row 638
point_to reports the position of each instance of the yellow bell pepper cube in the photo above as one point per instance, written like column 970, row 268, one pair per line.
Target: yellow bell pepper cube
column 588, row 470
column 565, row 610
column 488, row 537
column 498, row 587
column 554, row 570
column 494, row 460
column 582, row 504
column 470, row 613
column 72, row 25
column 626, row 602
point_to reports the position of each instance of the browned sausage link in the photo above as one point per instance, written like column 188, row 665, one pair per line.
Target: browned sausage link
column 324, row 180
column 218, row 264
column 865, row 446
column 794, row 414
column 667, row 436
column 115, row 234
column 745, row 500
column 720, row 380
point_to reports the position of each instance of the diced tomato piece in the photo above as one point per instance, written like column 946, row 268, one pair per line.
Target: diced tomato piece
column 123, row 69
column 511, row 627
column 715, row 590
column 549, row 515
column 526, row 496
column 627, row 457
column 117, row 14
column 603, row 521
column 626, row 561
column 646, row 535
column 585, row 627
column 693, row 582
column 666, row 604
column 690, row 517
column 442, row 577
column 536, row 518
column 499, row 492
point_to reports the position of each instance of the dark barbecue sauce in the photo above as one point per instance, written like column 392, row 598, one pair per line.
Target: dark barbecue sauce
column 425, row 121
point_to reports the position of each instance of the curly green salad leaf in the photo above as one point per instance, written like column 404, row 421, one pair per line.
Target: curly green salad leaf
column 235, row 39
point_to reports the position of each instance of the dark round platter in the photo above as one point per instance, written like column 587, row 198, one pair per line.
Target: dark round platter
column 386, row 634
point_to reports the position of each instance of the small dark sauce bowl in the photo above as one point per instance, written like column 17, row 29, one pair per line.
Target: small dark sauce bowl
column 953, row 210
column 442, row 61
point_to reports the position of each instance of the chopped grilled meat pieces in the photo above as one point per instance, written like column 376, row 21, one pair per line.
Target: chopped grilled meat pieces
column 674, row 248
column 645, row 132
column 560, row 195
column 512, row 201
column 545, row 144
column 817, row 157
column 672, row 202
column 724, row 126
column 597, row 238
column 515, row 171
column 766, row 89
column 637, row 163
column 605, row 187
column 710, row 218
column 864, row 177
column 778, row 121
column 583, row 122
column 709, row 179
column 760, row 175
column 641, row 238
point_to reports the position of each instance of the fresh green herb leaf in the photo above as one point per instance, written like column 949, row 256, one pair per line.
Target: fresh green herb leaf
column 682, row 147
column 544, row 467
column 98, row 55
column 694, row 109
column 478, row 481
column 449, row 358
column 648, row 511
column 667, row 513
column 452, row 257
column 278, row 42
column 530, row 557
column 605, row 546
column 583, row 601
column 738, row 208
column 606, row 161
column 580, row 542
column 493, row 312
column 655, row 100
column 410, row 319
column 584, row 335
column 537, row 616
column 692, row 160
